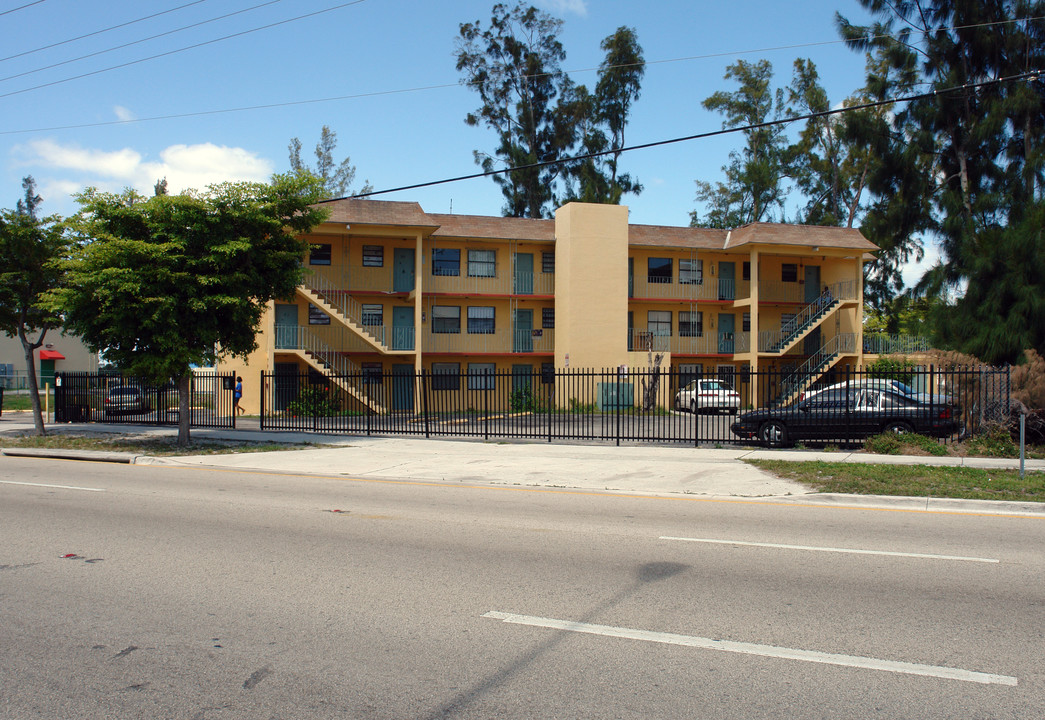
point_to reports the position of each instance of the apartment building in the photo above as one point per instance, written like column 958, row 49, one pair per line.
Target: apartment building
column 393, row 290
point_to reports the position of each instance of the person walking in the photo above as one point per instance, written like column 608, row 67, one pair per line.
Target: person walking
column 236, row 395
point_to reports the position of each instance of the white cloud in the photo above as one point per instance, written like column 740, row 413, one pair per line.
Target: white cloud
column 123, row 113
column 184, row 166
column 578, row 7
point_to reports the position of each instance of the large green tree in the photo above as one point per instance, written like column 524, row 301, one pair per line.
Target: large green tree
column 337, row 178
column 31, row 249
column 602, row 119
column 514, row 64
column 754, row 187
column 970, row 170
column 164, row 283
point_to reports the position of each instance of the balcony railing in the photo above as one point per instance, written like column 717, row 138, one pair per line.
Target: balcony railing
column 506, row 341
column 882, row 344
column 506, row 283
column 709, row 343
column 705, row 290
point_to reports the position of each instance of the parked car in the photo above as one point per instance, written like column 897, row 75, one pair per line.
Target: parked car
column 869, row 383
column 841, row 415
column 711, row 394
column 126, row 399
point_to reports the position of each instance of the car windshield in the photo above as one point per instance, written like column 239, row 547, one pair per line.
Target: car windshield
column 715, row 385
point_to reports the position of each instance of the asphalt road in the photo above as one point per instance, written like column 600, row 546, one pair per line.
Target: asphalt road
column 164, row 592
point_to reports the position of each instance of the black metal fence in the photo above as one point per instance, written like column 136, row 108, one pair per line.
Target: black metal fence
column 116, row 398
column 629, row 405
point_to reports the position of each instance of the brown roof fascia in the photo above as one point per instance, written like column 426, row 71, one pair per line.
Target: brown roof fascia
column 480, row 227
column 801, row 236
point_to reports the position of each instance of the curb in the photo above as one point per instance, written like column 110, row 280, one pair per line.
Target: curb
column 84, row 455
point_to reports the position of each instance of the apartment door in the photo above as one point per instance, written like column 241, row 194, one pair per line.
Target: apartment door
column 523, row 284
column 403, row 270
column 286, row 326
column 813, row 342
column 523, row 324
column 726, row 328
column 522, row 377
column 284, row 385
column 812, row 283
column 403, row 387
column 631, row 278
column 727, row 284
column 402, row 328
column 631, row 326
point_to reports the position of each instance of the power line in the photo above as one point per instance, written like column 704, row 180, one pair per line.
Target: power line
column 99, row 32
column 138, row 42
column 183, row 49
column 377, row 93
column 700, row 136
column 23, row 7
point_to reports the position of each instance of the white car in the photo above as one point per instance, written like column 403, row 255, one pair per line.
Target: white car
column 713, row 394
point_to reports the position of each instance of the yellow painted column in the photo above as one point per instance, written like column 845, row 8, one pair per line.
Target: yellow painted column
column 418, row 316
column 753, row 338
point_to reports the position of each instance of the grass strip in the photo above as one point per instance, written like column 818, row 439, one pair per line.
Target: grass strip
column 911, row 480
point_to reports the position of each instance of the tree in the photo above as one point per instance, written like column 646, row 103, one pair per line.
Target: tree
column 527, row 100
column 164, row 283
column 973, row 147
column 337, row 179
column 602, row 119
column 30, row 251
column 753, row 188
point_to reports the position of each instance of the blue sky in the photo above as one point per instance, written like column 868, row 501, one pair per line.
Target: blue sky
column 401, row 119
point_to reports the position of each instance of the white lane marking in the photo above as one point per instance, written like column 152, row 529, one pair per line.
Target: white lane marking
column 63, row 487
column 853, row 551
column 771, row 651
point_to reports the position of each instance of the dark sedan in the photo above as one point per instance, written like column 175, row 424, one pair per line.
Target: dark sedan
column 846, row 414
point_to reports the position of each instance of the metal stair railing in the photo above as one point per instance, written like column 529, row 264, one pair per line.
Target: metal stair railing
column 335, row 295
column 774, row 341
column 815, row 366
column 335, row 365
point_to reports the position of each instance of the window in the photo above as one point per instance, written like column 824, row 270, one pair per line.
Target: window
column 691, row 272
column 446, row 261
column 547, row 262
column 480, row 320
column 446, row 376
column 371, row 373
column 373, row 315
column 658, row 270
column 373, row 256
column 747, row 322
column 691, row 324
column 746, row 271
column 446, row 319
column 789, row 272
column 319, row 254
column 482, row 263
column 658, row 322
column 317, row 316
column 548, row 318
column 481, row 376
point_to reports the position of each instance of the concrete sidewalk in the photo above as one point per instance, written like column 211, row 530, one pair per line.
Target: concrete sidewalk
column 644, row 469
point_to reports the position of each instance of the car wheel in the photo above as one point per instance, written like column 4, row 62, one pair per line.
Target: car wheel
column 678, row 403
column 899, row 427
column 733, row 411
column 693, row 406
column 773, row 433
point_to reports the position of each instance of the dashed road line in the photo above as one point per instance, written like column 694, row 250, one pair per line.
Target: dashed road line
column 814, row 548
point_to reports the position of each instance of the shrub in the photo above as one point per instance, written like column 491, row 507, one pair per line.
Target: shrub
column 523, row 400
column 995, row 441
column 315, row 400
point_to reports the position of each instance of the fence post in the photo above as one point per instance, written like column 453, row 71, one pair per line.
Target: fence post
column 548, row 399
column 366, row 403
column 424, row 399
column 264, row 392
column 616, row 395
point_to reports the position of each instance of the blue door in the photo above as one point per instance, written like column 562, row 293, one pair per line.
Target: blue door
column 812, row 283
column 402, row 328
column 727, row 284
column 286, row 327
column 726, row 328
column 403, row 387
column 403, row 270
column 523, row 274
column 523, row 331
